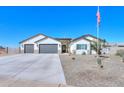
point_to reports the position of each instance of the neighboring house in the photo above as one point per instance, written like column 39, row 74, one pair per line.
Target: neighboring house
column 114, row 47
column 2, row 47
column 43, row 44
column 2, row 50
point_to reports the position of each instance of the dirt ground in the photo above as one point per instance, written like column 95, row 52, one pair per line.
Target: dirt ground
column 85, row 72
column 11, row 82
column 1, row 55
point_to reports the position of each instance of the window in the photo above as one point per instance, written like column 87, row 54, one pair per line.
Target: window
column 78, row 46
column 81, row 46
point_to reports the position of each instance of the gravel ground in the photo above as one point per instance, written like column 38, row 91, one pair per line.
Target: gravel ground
column 85, row 72
column 1, row 55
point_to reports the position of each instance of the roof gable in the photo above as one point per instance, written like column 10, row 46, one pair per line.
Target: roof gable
column 91, row 36
column 41, row 40
column 80, row 38
column 33, row 37
column 87, row 38
column 46, row 38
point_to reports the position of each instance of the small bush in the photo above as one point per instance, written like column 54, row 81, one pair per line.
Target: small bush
column 73, row 58
column 123, row 58
column 83, row 53
column 99, row 61
column 120, row 53
column 101, row 66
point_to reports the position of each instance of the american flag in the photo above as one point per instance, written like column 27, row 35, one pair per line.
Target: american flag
column 98, row 16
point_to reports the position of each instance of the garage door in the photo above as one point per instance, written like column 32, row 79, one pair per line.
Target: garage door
column 48, row 48
column 29, row 48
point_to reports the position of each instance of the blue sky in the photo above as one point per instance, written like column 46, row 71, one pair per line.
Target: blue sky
column 19, row 23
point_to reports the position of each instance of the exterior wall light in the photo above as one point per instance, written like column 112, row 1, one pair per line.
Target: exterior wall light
column 37, row 45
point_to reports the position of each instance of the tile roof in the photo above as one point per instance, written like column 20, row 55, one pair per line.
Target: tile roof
column 84, row 37
column 63, row 38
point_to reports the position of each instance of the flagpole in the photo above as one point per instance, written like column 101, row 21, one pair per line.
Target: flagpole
column 97, row 37
column 99, row 61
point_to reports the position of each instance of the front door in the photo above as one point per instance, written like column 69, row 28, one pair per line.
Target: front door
column 63, row 48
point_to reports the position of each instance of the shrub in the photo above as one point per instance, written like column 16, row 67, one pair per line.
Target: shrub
column 101, row 66
column 120, row 53
column 99, row 61
column 123, row 58
column 73, row 58
column 83, row 53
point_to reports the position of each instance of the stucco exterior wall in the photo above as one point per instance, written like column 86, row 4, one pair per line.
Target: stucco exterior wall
column 73, row 46
column 93, row 52
column 51, row 41
column 31, row 41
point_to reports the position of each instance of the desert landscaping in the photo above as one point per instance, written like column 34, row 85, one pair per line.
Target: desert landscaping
column 83, row 71
column 79, row 70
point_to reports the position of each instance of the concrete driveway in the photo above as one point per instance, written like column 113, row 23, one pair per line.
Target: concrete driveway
column 31, row 70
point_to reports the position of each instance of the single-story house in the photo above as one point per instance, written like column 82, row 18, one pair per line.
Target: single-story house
column 2, row 50
column 41, row 43
column 113, row 47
